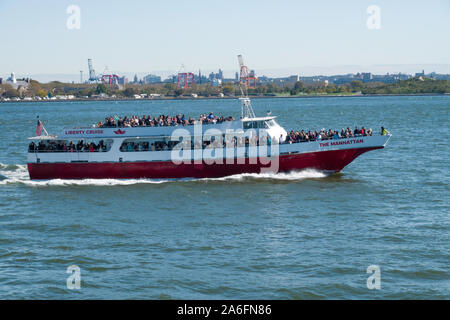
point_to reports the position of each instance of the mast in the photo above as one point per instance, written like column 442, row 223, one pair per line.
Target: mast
column 246, row 105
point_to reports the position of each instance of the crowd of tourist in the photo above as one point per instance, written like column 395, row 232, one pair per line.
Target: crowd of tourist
column 161, row 121
column 147, row 146
column 305, row 136
column 61, row 146
column 198, row 144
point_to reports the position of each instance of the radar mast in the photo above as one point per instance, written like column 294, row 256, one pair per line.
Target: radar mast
column 246, row 105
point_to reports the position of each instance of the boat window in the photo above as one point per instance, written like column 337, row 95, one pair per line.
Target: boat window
column 82, row 145
column 255, row 125
column 147, row 144
column 271, row 123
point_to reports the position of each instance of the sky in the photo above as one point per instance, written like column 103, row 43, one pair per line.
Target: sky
column 276, row 38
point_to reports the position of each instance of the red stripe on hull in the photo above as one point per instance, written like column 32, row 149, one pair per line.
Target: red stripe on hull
column 334, row 160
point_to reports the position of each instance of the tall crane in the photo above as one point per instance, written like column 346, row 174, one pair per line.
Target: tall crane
column 109, row 78
column 184, row 79
column 246, row 78
column 92, row 76
column 243, row 70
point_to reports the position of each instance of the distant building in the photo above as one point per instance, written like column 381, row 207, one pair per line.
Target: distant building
column 152, row 79
column 293, row 78
column 265, row 79
column 216, row 76
column 123, row 80
column 17, row 83
column 437, row 76
column 216, row 82
column 366, row 76
column 420, row 74
column 12, row 78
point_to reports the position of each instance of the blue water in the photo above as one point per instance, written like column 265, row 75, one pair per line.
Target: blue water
column 290, row 236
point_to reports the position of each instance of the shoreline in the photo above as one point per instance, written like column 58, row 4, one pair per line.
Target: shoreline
column 230, row 98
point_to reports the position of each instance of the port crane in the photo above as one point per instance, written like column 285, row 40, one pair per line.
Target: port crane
column 246, row 77
column 184, row 79
column 92, row 76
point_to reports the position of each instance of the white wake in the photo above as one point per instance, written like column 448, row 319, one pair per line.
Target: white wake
column 288, row 176
column 18, row 174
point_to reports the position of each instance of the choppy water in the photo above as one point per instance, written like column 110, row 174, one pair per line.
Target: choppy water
column 288, row 236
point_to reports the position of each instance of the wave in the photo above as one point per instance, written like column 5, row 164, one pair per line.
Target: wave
column 18, row 174
column 13, row 173
column 288, row 176
column 11, row 167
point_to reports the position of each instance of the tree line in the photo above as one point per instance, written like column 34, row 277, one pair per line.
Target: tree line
column 411, row 86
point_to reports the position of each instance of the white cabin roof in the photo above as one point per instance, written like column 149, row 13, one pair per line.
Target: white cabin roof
column 258, row 118
column 49, row 137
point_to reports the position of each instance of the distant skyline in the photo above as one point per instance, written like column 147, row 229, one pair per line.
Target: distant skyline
column 281, row 72
column 276, row 38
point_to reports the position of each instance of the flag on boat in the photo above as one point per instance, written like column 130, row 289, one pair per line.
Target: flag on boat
column 39, row 128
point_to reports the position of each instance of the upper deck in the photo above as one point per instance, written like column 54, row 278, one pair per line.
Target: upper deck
column 158, row 131
column 122, row 132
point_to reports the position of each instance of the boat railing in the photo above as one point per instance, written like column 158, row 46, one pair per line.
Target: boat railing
column 94, row 126
column 246, row 145
column 66, row 151
column 334, row 138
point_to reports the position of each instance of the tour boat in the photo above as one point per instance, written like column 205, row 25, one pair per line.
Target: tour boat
column 196, row 151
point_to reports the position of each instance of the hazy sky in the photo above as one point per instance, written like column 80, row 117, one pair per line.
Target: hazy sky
column 277, row 36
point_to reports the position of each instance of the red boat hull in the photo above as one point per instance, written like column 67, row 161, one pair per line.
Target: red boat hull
column 330, row 161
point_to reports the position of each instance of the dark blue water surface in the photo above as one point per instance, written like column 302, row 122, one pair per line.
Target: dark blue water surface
column 289, row 236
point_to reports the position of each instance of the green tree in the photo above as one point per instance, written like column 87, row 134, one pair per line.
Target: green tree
column 10, row 92
column 299, row 86
column 356, row 85
column 170, row 86
column 129, row 92
column 101, row 88
column 331, row 88
column 227, row 89
column 41, row 93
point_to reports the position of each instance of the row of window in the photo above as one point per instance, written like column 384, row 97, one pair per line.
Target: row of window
column 134, row 144
column 138, row 145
